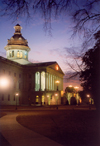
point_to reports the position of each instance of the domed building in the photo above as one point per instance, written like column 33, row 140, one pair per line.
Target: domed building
column 26, row 83
column 17, row 48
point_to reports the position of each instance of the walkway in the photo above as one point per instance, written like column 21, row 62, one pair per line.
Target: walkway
column 17, row 135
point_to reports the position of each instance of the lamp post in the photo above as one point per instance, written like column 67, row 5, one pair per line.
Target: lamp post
column 57, row 82
column 88, row 96
column 76, row 90
column 16, row 99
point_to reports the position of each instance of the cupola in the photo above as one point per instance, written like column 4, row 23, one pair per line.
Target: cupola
column 17, row 47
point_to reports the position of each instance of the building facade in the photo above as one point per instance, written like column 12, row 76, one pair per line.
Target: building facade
column 34, row 83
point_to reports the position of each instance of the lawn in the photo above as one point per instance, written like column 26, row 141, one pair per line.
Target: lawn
column 67, row 127
column 3, row 141
column 2, row 114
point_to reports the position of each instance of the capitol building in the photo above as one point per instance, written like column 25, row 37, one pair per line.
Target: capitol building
column 27, row 83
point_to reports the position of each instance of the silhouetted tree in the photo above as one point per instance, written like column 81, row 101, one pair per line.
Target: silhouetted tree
column 90, row 76
column 69, row 89
column 85, row 13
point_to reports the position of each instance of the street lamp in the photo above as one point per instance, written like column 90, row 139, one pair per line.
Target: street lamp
column 4, row 82
column 70, row 85
column 76, row 88
column 88, row 96
column 16, row 99
column 57, row 82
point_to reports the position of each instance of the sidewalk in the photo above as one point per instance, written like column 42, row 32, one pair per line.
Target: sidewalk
column 17, row 135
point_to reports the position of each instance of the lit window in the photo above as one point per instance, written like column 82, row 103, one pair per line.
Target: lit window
column 43, row 81
column 25, row 54
column 12, row 53
column 20, row 38
column 37, row 99
column 21, row 55
column 57, row 67
column 37, row 81
column 18, row 54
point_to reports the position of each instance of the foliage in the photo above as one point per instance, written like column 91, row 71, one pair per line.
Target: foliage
column 82, row 94
column 69, row 89
column 90, row 76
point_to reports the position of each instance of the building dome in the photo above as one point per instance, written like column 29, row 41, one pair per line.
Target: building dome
column 17, row 39
column 17, row 46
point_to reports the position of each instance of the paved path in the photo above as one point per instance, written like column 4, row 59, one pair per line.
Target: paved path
column 17, row 135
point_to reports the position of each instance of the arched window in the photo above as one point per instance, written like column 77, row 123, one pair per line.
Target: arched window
column 43, row 81
column 37, row 81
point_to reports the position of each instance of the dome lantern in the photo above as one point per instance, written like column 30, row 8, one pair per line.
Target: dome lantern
column 17, row 46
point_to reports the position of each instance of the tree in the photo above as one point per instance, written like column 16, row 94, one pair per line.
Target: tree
column 90, row 76
column 85, row 13
column 69, row 89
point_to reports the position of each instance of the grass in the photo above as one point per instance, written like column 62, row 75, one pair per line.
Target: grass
column 2, row 114
column 3, row 141
column 69, row 128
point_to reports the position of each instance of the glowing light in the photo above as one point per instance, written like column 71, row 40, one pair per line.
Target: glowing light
column 70, row 85
column 17, row 94
column 76, row 87
column 57, row 68
column 4, row 82
column 56, row 94
column 57, row 82
column 62, row 92
column 80, row 100
column 88, row 95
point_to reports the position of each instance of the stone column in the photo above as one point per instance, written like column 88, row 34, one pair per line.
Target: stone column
column 40, row 81
column 45, row 81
